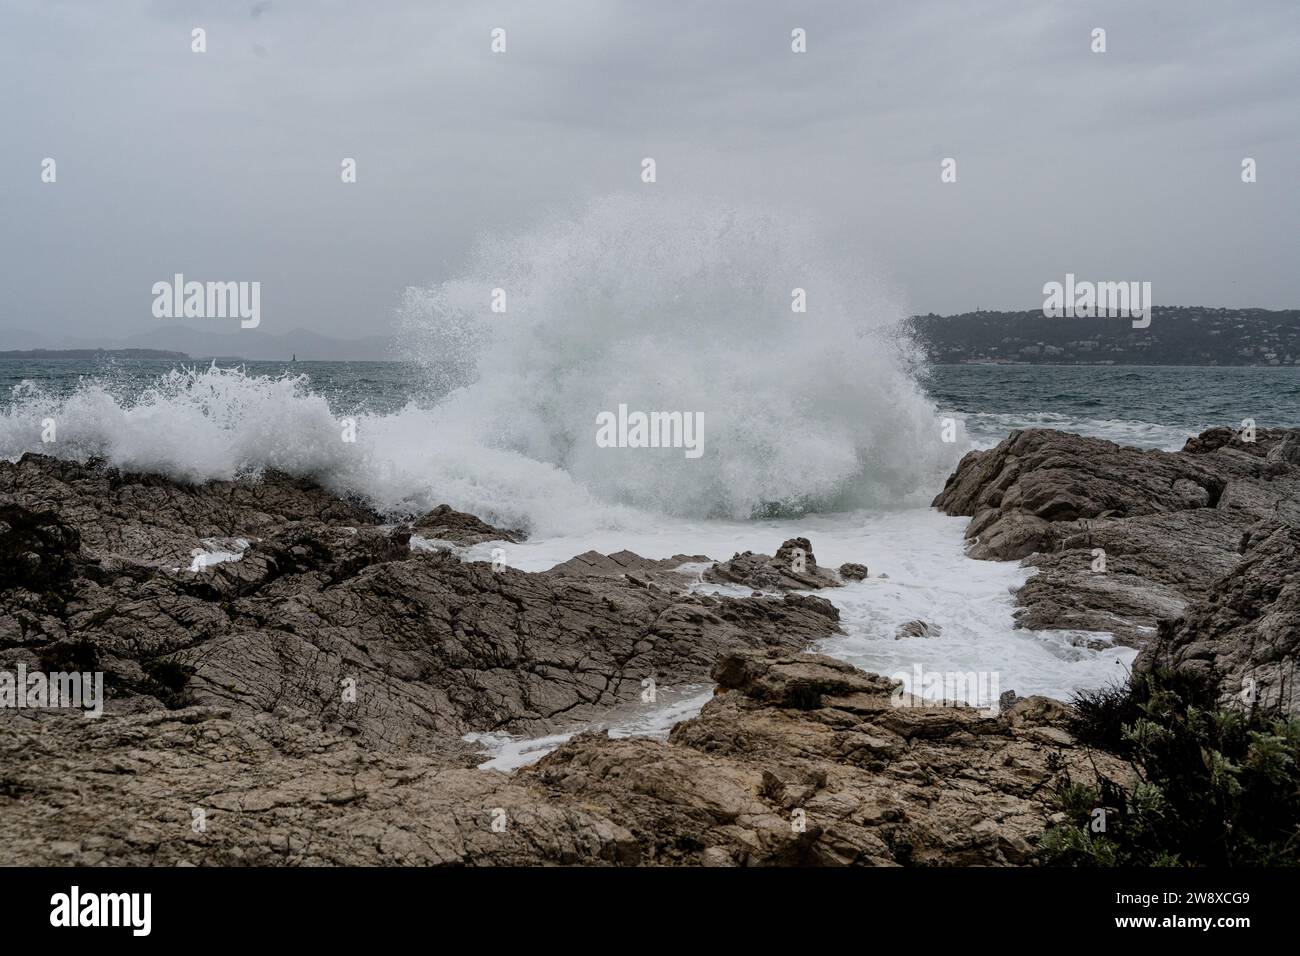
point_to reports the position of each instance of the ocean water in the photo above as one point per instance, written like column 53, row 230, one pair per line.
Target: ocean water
column 824, row 424
column 1149, row 407
column 1144, row 406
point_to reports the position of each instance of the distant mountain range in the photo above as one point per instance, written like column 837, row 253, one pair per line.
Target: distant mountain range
column 1178, row 335
column 253, row 345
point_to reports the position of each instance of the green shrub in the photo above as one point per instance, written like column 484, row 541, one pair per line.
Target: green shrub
column 1211, row 785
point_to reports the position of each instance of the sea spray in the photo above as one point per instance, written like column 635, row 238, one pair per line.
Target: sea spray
column 655, row 303
column 650, row 304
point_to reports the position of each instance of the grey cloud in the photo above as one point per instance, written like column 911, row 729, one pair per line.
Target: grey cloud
column 226, row 165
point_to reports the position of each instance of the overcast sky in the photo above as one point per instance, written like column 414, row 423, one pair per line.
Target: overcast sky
column 225, row 165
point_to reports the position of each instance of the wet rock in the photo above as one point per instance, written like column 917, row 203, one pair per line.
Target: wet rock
column 1286, row 451
column 793, row 567
column 917, row 629
column 851, row 571
column 272, row 791
column 1122, row 538
column 800, row 680
column 345, row 625
column 447, row 524
column 155, row 521
column 663, row 573
column 803, row 759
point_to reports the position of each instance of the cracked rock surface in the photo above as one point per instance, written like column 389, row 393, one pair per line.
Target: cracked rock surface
column 1189, row 555
column 799, row 759
column 327, row 598
column 306, row 703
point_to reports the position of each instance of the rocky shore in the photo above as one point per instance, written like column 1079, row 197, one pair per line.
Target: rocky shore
column 1190, row 555
column 307, row 703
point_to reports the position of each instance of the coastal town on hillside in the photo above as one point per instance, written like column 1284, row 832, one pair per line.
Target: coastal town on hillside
column 1177, row 335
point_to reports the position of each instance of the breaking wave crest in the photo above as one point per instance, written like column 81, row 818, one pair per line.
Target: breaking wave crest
column 659, row 306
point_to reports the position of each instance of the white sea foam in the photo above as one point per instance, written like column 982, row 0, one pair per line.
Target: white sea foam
column 927, row 577
column 508, row 752
column 217, row 551
column 987, row 429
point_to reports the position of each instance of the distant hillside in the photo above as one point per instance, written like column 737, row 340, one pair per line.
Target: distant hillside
column 197, row 342
column 256, row 345
column 87, row 355
column 1178, row 335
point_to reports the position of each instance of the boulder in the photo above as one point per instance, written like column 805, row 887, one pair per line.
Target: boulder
column 447, row 524
column 917, row 629
column 793, row 567
column 851, row 571
column 1245, row 627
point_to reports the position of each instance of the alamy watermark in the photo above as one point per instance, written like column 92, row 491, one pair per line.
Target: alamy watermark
column 38, row 690
column 1088, row 300
column 130, row 910
column 924, row 688
column 208, row 300
column 626, row 429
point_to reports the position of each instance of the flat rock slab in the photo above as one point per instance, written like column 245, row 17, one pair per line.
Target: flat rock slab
column 799, row 759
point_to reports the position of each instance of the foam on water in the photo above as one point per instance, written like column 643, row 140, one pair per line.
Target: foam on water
column 509, row 752
column 987, row 429
column 928, row 577
column 217, row 551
